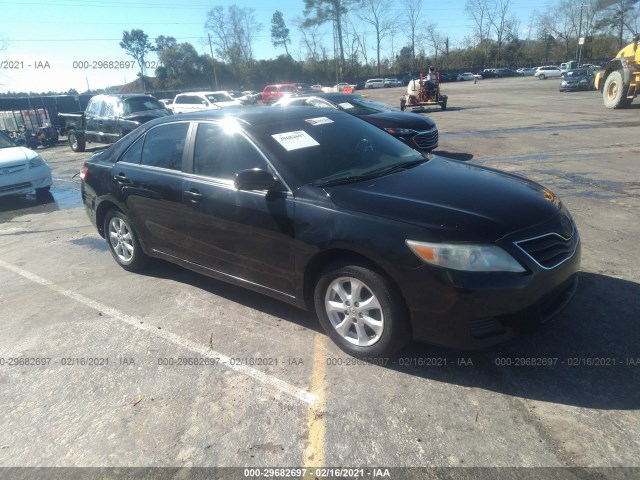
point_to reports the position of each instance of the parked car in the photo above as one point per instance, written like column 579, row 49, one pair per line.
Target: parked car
column 108, row 118
column 22, row 170
column 374, row 83
column 273, row 93
column 167, row 102
column 245, row 98
column 465, row 76
column 547, row 71
column 195, row 101
column 578, row 79
column 489, row 73
column 526, row 72
column 325, row 211
column 506, row 72
column 392, row 82
column 417, row 131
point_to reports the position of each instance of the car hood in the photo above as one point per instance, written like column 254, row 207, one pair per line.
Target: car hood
column 12, row 155
column 575, row 79
column 454, row 200
column 399, row 119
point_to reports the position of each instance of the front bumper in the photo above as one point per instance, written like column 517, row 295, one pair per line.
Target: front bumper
column 471, row 311
column 26, row 181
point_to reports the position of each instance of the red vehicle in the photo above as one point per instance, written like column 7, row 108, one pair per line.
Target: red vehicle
column 424, row 92
column 273, row 93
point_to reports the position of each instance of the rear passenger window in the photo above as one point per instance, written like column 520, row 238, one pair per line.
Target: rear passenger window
column 133, row 154
column 221, row 154
column 164, row 145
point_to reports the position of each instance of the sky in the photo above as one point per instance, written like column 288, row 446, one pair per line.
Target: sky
column 45, row 45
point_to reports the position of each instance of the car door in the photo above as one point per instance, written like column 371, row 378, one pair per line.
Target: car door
column 149, row 179
column 92, row 118
column 247, row 235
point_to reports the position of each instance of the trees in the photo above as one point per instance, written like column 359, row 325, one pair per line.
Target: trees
column 279, row 31
column 378, row 14
column 317, row 12
column 136, row 44
column 233, row 34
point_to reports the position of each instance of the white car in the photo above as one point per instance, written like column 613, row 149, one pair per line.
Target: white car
column 22, row 170
column 466, row 76
column 196, row 101
column 548, row 71
column 374, row 83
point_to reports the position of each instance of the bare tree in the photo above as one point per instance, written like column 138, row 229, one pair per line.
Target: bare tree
column 379, row 15
column 479, row 11
column 435, row 40
column 413, row 10
column 499, row 22
column 233, row 33
column 311, row 39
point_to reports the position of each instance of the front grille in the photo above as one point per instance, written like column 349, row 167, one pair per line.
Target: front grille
column 550, row 250
column 17, row 186
column 427, row 140
column 10, row 169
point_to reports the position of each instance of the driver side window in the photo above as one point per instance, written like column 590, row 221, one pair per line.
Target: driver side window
column 221, row 153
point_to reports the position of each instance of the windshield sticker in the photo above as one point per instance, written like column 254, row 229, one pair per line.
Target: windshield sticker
column 346, row 105
column 295, row 140
column 318, row 120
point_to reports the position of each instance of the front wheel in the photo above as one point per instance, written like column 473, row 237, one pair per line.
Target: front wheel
column 614, row 92
column 123, row 241
column 361, row 311
column 542, row 76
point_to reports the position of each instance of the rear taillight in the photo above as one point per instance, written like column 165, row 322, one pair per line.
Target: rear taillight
column 83, row 173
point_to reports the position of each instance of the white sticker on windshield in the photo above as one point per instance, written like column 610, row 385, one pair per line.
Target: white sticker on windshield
column 318, row 120
column 295, row 140
column 346, row 105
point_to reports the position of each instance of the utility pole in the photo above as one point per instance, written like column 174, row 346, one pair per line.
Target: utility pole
column 580, row 41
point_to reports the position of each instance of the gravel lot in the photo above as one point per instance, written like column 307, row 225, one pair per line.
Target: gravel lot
column 89, row 353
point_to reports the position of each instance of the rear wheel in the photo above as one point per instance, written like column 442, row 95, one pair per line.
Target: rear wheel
column 75, row 144
column 614, row 92
column 361, row 312
column 123, row 241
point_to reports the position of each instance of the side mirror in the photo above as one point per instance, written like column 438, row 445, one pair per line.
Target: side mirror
column 255, row 179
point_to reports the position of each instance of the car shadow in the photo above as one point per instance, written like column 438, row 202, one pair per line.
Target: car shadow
column 233, row 293
column 25, row 204
column 588, row 356
column 461, row 156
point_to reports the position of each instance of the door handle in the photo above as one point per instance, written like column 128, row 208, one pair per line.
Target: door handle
column 193, row 196
column 121, row 178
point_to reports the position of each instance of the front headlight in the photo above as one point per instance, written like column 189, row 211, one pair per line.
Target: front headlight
column 563, row 83
column 400, row 131
column 36, row 161
column 467, row 257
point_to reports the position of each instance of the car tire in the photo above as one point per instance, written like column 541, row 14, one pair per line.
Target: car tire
column 75, row 144
column 43, row 194
column 123, row 242
column 613, row 92
column 541, row 76
column 360, row 311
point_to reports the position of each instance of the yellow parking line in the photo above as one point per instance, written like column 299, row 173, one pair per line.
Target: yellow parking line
column 314, row 451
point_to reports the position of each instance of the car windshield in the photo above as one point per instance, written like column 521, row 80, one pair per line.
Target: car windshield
column 219, row 97
column 307, row 150
column 577, row 73
column 6, row 141
column 357, row 105
column 141, row 104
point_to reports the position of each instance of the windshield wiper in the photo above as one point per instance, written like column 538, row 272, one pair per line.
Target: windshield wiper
column 398, row 167
column 341, row 180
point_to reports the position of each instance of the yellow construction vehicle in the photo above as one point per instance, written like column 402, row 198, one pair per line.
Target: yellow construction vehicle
column 620, row 80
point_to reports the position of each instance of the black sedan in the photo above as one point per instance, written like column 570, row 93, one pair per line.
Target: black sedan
column 417, row 131
column 579, row 79
column 324, row 211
